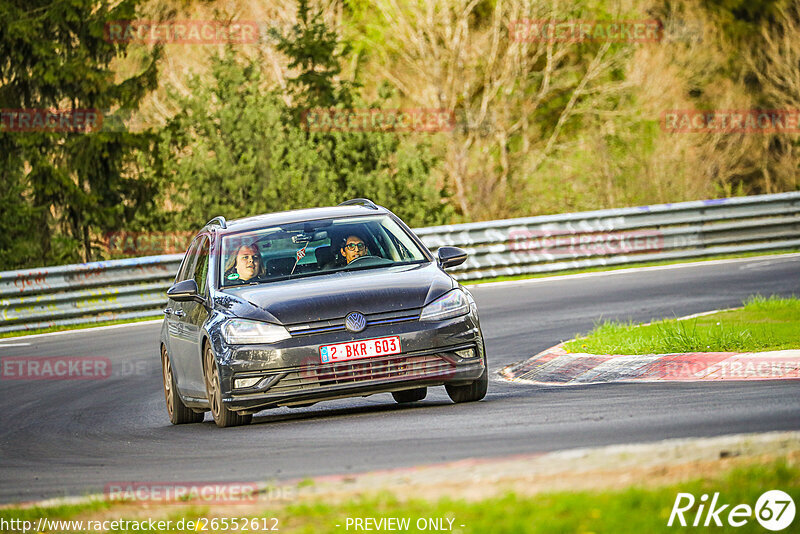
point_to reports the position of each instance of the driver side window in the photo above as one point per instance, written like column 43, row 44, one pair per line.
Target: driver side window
column 201, row 266
column 187, row 266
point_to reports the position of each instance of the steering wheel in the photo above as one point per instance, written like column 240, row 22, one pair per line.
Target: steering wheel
column 369, row 260
column 361, row 258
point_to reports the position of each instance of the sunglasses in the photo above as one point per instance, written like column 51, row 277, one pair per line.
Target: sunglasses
column 352, row 247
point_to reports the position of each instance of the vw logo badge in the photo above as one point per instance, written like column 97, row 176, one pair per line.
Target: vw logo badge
column 355, row 322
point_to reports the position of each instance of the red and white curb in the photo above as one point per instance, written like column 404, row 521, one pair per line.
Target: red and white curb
column 556, row 366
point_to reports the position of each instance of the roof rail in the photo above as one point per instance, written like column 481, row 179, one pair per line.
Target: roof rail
column 220, row 220
column 360, row 202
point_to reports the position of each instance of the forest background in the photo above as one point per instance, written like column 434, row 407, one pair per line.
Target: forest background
column 537, row 125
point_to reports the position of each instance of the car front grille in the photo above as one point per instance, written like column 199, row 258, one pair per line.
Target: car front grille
column 335, row 325
column 388, row 368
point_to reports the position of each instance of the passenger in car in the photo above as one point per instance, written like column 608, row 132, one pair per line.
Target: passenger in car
column 353, row 247
column 244, row 264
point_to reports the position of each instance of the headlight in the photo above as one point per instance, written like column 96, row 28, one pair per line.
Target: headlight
column 244, row 332
column 450, row 305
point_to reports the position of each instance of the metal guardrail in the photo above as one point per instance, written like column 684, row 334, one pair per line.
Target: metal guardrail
column 135, row 288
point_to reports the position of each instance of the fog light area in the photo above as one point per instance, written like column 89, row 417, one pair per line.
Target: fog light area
column 466, row 353
column 246, row 382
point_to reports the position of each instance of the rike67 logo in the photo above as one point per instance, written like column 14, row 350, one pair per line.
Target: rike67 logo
column 774, row 510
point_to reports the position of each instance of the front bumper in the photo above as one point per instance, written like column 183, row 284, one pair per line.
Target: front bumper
column 290, row 373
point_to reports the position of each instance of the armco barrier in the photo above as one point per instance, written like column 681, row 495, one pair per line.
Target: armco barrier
column 131, row 288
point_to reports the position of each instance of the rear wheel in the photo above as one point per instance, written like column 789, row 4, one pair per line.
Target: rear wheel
column 410, row 395
column 178, row 413
column 222, row 415
column 470, row 392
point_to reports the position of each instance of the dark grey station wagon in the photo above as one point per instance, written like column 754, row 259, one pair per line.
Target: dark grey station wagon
column 292, row 308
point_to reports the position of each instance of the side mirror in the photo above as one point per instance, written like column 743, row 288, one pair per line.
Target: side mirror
column 451, row 256
column 184, row 291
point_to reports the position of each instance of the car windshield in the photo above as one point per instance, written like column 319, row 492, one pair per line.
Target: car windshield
column 315, row 247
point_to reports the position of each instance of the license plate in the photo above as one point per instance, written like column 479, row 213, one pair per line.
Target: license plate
column 354, row 350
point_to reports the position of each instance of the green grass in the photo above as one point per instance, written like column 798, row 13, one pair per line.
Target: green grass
column 61, row 511
column 630, row 266
column 762, row 324
column 633, row 509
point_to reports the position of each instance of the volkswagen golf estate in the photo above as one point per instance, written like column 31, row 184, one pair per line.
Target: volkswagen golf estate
column 293, row 308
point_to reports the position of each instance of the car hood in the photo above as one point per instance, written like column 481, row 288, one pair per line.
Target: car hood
column 333, row 296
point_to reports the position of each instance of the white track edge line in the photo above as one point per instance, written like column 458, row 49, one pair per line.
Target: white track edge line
column 80, row 330
column 631, row 270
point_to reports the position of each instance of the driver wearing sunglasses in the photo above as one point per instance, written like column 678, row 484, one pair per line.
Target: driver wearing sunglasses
column 354, row 247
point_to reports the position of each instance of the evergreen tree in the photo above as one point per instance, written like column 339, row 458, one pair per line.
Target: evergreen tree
column 60, row 187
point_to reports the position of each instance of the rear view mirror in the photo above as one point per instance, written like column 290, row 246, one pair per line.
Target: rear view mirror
column 451, row 256
column 184, row 291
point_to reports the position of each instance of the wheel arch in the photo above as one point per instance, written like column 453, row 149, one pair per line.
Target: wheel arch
column 177, row 387
column 205, row 341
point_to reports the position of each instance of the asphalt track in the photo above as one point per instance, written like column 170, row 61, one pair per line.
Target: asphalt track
column 73, row 437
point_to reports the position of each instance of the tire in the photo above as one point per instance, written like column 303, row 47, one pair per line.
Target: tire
column 410, row 395
column 222, row 415
column 470, row 392
column 178, row 413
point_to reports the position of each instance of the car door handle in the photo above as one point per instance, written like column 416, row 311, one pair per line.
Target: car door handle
column 167, row 311
column 179, row 313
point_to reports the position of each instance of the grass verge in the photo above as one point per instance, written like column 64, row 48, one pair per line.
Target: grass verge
column 762, row 324
column 52, row 329
column 633, row 508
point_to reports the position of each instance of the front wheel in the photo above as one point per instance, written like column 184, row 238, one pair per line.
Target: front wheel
column 178, row 413
column 470, row 392
column 222, row 415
